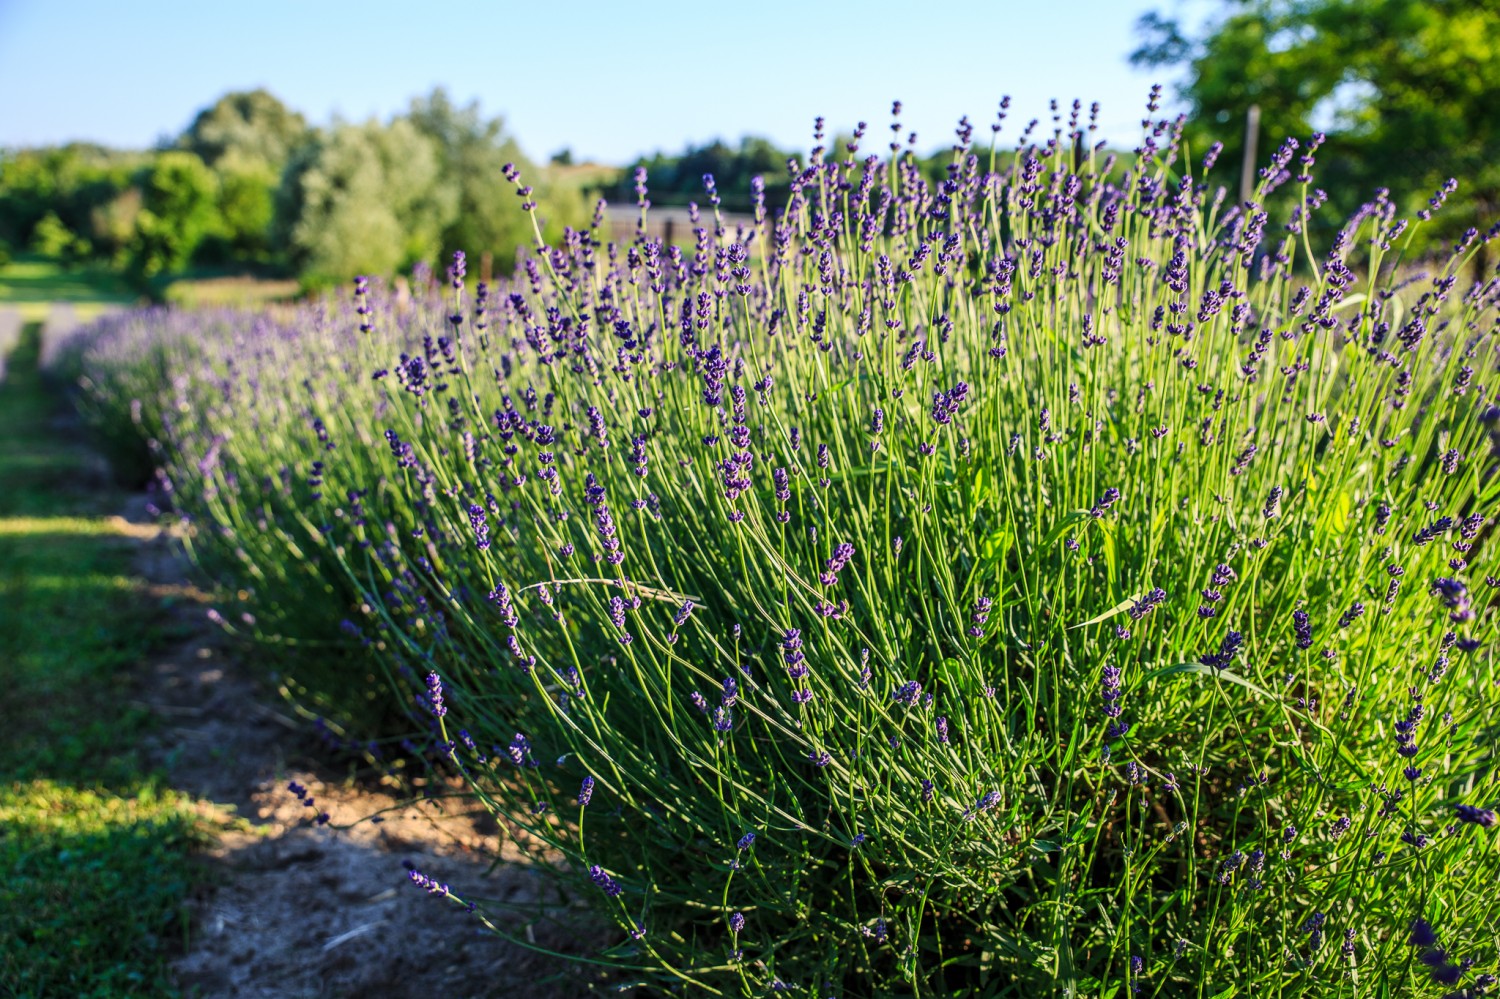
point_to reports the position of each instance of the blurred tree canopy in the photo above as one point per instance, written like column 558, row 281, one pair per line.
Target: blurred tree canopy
column 677, row 180
column 471, row 153
column 1407, row 90
column 363, row 199
column 247, row 137
column 246, row 127
column 250, row 185
column 179, row 196
column 72, row 186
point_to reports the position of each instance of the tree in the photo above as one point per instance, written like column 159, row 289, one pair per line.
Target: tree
column 1407, row 90
column 179, row 209
column 247, row 208
column 679, row 179
column 364, row 199
column 71, row 183
column 246, row 127
column 472, row 153
column 52, row 238
column 247, row 138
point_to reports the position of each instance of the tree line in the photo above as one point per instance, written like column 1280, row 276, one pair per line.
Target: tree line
column 249, row 185
column 1408, row 92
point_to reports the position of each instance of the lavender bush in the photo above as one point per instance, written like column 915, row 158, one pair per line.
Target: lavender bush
column 1054, row 577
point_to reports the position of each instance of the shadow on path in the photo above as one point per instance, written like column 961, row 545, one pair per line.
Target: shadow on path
column 147, row 838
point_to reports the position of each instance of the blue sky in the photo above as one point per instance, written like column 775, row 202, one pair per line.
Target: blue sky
column 608, row 79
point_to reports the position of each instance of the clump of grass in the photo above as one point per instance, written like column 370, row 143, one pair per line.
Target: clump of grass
column 95, row 885
column 1055, row 576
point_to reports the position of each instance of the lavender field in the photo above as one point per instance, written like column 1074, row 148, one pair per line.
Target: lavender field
column 1062, row 578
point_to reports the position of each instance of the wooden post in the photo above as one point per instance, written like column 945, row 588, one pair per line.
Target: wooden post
column 667, row 228
column 1247, row 171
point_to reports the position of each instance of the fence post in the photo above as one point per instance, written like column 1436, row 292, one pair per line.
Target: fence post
column 1247, row 170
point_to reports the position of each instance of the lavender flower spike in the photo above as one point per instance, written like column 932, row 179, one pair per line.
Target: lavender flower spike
column 606, row 884
column 435, row 695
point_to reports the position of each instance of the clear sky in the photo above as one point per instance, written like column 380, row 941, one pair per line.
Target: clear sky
column 608, row 79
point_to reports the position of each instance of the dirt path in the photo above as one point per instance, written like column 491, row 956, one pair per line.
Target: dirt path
column 308, row 910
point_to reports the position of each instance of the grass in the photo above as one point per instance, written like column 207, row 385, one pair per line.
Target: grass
column 94, row 851
column 33, row 283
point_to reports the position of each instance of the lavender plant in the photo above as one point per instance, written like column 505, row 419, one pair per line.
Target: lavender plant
column 1054, row 577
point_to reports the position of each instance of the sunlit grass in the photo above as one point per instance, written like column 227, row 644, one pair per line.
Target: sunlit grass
column 94, row 854
column 95, row 886
column 88, row 526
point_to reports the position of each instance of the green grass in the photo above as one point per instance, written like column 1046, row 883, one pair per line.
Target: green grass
column 94, row 852
column 34, row 283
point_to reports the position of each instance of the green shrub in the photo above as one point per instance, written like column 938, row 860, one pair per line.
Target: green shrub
column 1044, row 579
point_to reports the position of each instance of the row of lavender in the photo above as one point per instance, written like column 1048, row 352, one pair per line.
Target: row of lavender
column 1055, row 575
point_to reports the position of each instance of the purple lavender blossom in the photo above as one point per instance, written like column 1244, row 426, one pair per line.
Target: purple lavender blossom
column 1302, row 629
column 429, row 885
column 435, row 695
column 835, row 564
column 480, row 527
column 1432, row 531
column 1229, row 647
column 607, row 884
column 908, row 693
column 1483, row 817
column 791, row 654
column 980, row 615
column 1109, row 694
column 945, row 404
column 1351, row 615
column 1147, row 604
column 500, row 597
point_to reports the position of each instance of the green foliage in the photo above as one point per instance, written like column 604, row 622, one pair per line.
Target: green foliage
column 364, row 199
column 246, row 137
column 180, row 196
column 1049, row 574
column 51, row 238
column 70, row 182
column 249, row 185
column 1406, row 89
column 247, row 210
column 114, row 224
column 678, row 179
column 471, row 152
column 246, row 129
column 95, row 889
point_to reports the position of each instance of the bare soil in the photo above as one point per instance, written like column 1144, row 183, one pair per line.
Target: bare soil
column 297, row 909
